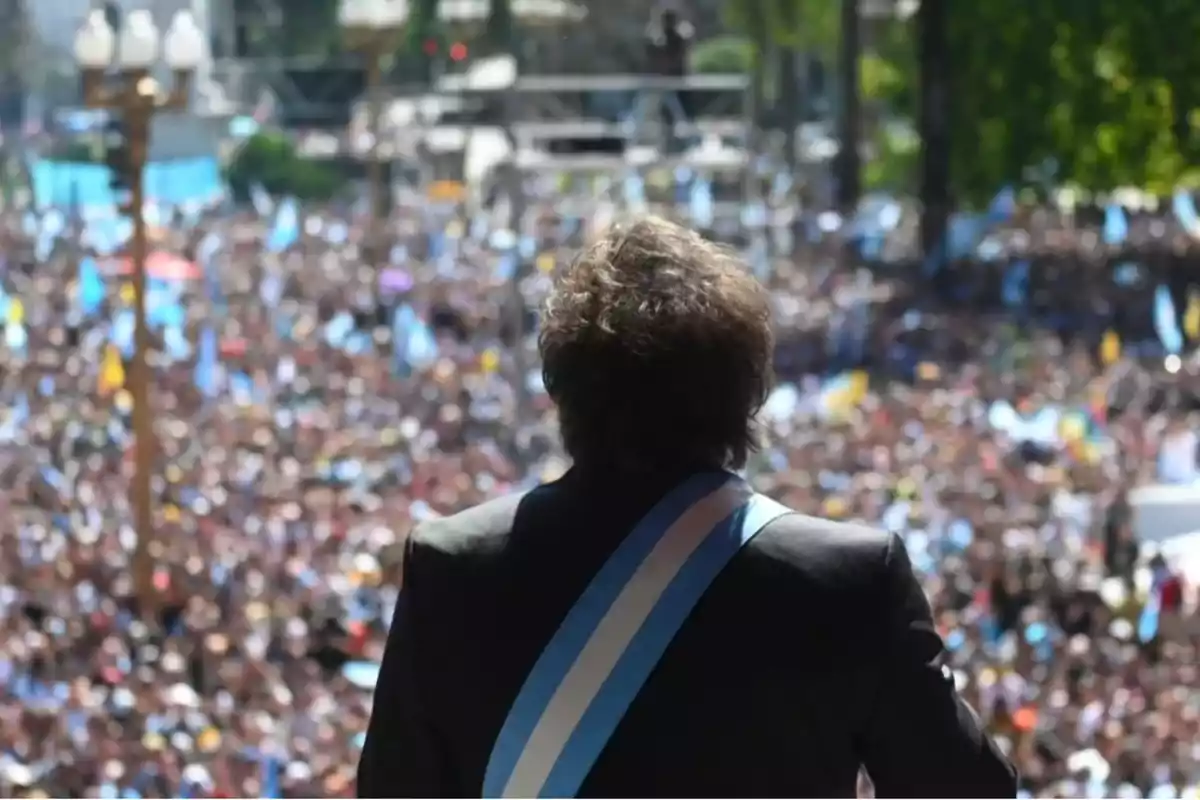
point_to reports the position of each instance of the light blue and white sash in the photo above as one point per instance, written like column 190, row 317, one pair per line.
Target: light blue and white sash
column 605, row 649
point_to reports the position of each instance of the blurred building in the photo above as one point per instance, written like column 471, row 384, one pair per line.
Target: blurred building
column 13, row 78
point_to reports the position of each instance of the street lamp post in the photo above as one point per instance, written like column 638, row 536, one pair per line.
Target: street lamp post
column 134, row 51
column 372, row 27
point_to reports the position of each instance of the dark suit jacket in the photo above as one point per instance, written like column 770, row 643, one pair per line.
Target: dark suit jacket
column 811, row 654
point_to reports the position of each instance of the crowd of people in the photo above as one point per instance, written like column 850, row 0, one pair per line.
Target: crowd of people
column 320, row 389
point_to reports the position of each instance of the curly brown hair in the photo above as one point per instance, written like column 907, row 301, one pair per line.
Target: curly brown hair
column 656, row 347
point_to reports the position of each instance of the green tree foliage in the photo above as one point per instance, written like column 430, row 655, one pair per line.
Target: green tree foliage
column 779, row 32
column 1104, row 90
column 270, row 160
column 894, row 161
column 722, row 55
column 888, row 66
column 810, row 25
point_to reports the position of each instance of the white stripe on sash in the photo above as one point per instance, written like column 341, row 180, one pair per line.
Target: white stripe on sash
column 613, row 634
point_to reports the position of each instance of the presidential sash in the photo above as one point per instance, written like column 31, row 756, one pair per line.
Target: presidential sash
column 608, row 644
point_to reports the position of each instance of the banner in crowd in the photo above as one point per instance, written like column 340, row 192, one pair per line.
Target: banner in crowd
column 67, row 184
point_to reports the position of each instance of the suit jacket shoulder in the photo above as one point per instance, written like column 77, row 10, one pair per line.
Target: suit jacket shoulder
column 801, row 541
column 482, row 528
column 848, row 552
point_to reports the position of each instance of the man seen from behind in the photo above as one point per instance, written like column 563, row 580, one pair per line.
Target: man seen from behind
column 646, row 625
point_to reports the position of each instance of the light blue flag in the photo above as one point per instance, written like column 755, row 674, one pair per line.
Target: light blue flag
column 1147, row 627
column 437, row 243
column 16, row 338
column 683, row 184
column 1166, row 321
column 285, row 230
column 527, row 247
column 206, row 257
column 206, row 377
column 263, row 205
column 338, row 329
column 781, row 185
column 269, row 768
column 358, row 343
column 413, row 342
column 106, row 235
column 1185, row 211
column 876, row 216
column 90, row 287
column 186, row 180
column 164, row 306
column 270, row 291
column 242, row 388
column 176, row 344
column 506, row 266
column 754, row 215
column 284, row 327
column 634, row 190
column 1116, row 226
column 1015, row 287
column 15, row 421
column 965, row 232
column 759, row 258
column 44, row 245
column 1003, row 205
column 208, row 248
column 700, row 203
column 121, row 334
column 363, row 674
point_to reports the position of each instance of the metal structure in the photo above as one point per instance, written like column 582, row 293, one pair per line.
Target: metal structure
column 247, row 76
column 537, row 109
column 138, row 97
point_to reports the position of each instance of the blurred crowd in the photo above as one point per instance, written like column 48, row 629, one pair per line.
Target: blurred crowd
column 318, row 390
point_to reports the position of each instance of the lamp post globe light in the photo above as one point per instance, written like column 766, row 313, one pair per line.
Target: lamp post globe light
column 185, row 46
column 137, row 44
column 137, row 98
column 95, row 42
column 372, row 19
column 95, row 46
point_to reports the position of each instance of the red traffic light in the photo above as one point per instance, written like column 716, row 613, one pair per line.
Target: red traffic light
column 430, row 46
column 458, row 51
